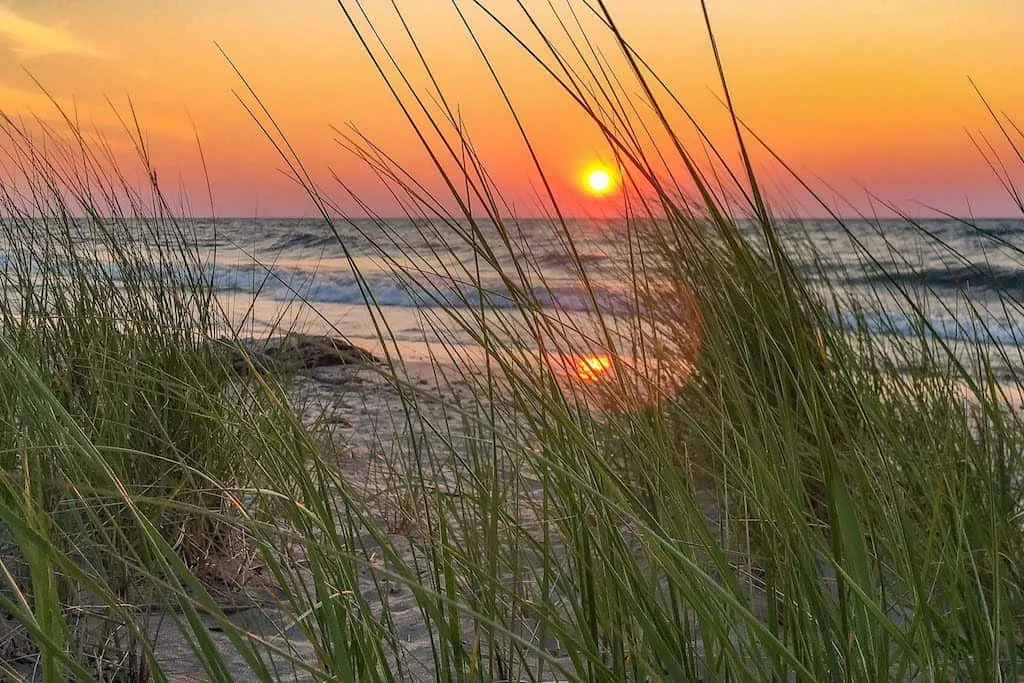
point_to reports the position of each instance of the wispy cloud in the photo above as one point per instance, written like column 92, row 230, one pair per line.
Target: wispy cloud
column 28, row 38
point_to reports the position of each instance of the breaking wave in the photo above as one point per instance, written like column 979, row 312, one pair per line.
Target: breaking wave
column 950, row 329
column 338, row 287
column 1004, row 279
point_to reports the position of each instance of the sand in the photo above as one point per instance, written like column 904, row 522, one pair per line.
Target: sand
column 356, row 414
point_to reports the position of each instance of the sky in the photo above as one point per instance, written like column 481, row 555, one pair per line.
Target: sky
column 870, row 102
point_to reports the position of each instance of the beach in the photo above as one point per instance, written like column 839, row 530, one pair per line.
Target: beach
column 492, row 342
column 428, row 468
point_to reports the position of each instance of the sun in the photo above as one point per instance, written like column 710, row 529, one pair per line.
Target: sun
column 598, row 180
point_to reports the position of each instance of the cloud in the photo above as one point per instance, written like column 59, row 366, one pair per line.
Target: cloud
column 29, row 39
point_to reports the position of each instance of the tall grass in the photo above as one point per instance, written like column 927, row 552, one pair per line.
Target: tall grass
column 128, row 442
column 757, row 486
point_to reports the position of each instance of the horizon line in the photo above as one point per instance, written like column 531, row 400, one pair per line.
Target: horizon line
column 239, row 217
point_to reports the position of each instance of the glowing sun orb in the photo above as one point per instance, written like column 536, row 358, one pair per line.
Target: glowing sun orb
column 598, row 180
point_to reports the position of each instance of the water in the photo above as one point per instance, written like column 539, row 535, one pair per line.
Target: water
column 957, row 283
column 277, row 274
column 968, row 282
column 304, row 274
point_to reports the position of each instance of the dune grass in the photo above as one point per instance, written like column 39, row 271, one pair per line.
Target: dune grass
column 761, row 488
column 127, row 438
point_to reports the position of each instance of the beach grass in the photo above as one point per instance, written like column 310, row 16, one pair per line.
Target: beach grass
column 750, row 482
column 128, row 439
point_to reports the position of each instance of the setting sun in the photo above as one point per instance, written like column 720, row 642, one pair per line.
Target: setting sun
column 598, row 180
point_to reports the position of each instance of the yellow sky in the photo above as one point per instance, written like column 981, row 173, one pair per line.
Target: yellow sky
column 859, row 94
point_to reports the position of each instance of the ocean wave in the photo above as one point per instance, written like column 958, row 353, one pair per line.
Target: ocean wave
column 430, row 290
column 564, row 260
column 335, row 287
column 949, row 329
column 301, row 240
column 1000, row 228
column 1007, row 279
column 331, row 286
column 574, row 298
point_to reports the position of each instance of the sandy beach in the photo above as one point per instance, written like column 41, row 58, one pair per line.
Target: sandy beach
column 511, row 341
column 357, row 415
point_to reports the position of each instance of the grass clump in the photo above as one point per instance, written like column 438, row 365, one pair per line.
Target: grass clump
column 104, row 304
column 128, row 438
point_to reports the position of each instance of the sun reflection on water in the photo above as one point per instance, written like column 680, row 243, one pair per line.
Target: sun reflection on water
column 593, row 368
column 620, row 384
column 643, row 360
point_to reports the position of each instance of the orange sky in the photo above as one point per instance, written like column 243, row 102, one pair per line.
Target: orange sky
column 854, row 94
